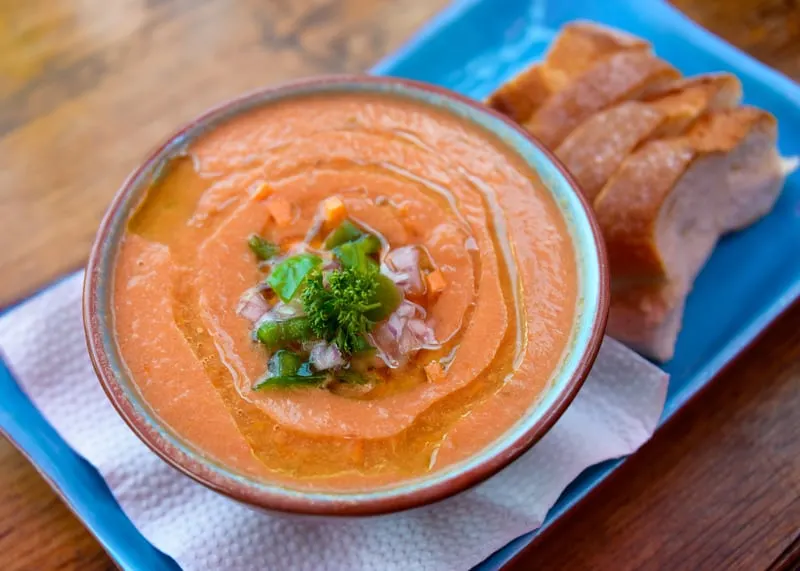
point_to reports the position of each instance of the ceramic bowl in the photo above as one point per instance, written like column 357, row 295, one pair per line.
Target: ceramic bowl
column 588, row 328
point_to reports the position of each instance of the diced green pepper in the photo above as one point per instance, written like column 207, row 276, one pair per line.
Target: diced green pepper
column 345, row 232
column 263, row 249
column 287, row 369
column 287, row 276
column 387, row 295
column 275, row 334
column 289, row 381
column 284, row 362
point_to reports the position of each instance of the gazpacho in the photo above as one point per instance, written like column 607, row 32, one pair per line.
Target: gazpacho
column 344, row 291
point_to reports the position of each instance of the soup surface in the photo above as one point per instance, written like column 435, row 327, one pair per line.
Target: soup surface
column 342, row 292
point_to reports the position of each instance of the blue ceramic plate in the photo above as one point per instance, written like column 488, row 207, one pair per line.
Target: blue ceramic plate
column 472, row 47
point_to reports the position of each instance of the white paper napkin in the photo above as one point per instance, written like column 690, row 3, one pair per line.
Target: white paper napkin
column 42, row 341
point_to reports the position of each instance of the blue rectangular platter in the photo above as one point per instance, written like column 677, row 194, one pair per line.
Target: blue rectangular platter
column 472, row 47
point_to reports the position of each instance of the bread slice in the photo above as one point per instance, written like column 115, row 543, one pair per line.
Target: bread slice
column 522, row 95
column 582, row 44
column 647, row 321
column 669, row 163
column 579, row 46
column 686, row 99
column 595, row 149
column 663, row 211
column 629, row 74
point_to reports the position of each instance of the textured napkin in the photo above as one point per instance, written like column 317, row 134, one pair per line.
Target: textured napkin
column 42, row 341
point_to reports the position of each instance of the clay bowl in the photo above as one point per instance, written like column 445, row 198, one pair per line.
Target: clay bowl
column 589, row 324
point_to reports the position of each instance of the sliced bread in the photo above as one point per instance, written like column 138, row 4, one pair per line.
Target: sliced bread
column 596, row 148
column 629, row 74
column 579, row 46
column 664, row 209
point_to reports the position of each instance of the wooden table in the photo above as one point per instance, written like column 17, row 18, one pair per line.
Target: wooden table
column 86, row 87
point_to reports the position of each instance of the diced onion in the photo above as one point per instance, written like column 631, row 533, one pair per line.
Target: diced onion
column 252, row 305
column 403, row 267
column 405, row 332
column 280, row 312
column 325, row 356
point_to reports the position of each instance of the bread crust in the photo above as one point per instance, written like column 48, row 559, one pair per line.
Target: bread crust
column 595, row 149
column 577, row 48
column 624, row 75
column 669, row 164
column 663, row 212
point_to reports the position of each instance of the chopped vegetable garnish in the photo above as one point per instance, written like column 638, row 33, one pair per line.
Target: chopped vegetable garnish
column 345, row 232
column 280, row 210
column 334, row 210
column 338, row 313
column 356, row 254
column 351, row 376
column 387, row 295
column 287, row 277
column 435, row 372
column 276, row 334
column 287, row 369
column 362, row 346
column 284, row 362
column 289, row 381
column 262, row 191
column 324, row 355
column 436, row 282
column 263, row 249
column 404, row 263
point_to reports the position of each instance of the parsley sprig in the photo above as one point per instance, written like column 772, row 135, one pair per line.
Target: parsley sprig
column 339, row 313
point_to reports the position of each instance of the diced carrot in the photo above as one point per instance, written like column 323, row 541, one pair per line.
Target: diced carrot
column 262, row 191
column 435, row 372
column 280, row 210
column 334, row 210
column 436, row 282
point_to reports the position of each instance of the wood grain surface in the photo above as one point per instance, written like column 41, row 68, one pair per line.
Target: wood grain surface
column 88, row 86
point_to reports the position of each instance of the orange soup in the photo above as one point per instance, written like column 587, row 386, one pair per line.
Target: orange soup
column 342, row 292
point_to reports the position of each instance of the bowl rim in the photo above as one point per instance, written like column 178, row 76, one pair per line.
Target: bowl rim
column 203, row 472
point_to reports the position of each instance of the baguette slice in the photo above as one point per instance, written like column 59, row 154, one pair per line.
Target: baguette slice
column 647, row 321
column 663, row 211
column 582, row 44
column 579, row 46
column 686, row 99
column 594, row 150
column 629, row 74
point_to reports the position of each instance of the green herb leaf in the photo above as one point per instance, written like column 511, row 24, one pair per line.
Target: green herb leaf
column 287, row 277
column 345, row 232
column 357, row 254
column 275, row 334
column 338, row 313
column 263, row 249
column 362, row 345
